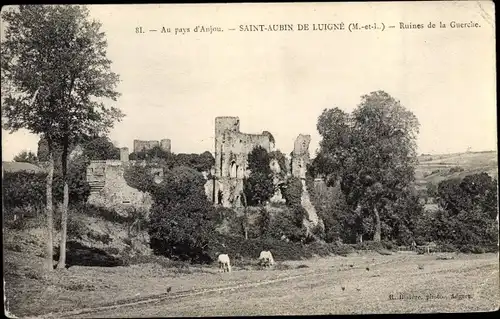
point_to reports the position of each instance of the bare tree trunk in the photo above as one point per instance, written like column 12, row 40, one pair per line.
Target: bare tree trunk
column 359, row 238
column 64, row 210
column 245, row 223
column 49, row 210
column 359, row 223
column 378, row 231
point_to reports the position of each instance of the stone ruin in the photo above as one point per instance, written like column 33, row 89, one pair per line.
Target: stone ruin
column 108, row 187
column 231, row 161
column 224, row 184
column 140, row 146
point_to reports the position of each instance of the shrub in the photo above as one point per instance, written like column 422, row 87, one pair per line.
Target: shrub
column 75, row 228
column 181, row 218
column 79, row 188
column 292, row 192
column 456, row 169
column 258, row 188
column 287, row 224
column 342, row 250
column 263, row 222
column 21, row 189
column 103, row 238
column 139, row 177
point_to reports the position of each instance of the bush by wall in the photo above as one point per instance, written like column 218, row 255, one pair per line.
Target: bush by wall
column 21, row 189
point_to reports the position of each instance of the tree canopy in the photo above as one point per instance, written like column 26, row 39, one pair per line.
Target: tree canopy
column 372, row 151
column 182, row 219
column 258, row 187
column 54, row 60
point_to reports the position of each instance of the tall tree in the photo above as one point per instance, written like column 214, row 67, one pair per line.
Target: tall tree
column 258, row 187
column 373, row 152
column 55, row 56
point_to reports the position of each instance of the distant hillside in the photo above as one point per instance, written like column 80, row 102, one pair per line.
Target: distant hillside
column 435, row 168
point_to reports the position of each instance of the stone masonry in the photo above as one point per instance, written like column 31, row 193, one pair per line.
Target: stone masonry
column 109, row 189
column 164, row 144
column 231, row 160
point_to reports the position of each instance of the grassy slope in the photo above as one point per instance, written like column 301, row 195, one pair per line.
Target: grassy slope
column 471, row 163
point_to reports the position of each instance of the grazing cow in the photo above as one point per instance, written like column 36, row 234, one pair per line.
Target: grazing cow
column 266, row 258
column 224, row 263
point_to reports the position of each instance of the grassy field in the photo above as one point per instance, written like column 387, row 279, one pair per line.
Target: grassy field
column 465, row 283
column 435, row 168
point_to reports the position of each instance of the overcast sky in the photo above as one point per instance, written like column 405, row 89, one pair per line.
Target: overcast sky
column 173, row 86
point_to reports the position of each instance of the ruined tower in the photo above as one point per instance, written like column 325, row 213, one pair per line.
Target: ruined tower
column 124, row 154
column 300, row 156
column 164, row 144
column 231, row 159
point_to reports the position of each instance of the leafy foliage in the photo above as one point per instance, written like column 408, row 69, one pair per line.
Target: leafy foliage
column 54, row 61
column 372, row 153
column 467, row 215
column 292, row 193
column 139, row 177
column 332, row 208
column 100, row 148
column 182, row 219
column 258, row 187
column 23, row 188
column 79, row 189
column 26, row 157
column 281, row 159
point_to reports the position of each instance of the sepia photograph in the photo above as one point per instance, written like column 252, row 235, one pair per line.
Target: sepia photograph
column 249, row 159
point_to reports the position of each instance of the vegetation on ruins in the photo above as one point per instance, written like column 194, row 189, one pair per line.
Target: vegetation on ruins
column 332, row 208
column 281, row 159
column 372, row 153
column 201, row 162
column 55, row 68
column 258, row 187
column 100, row 148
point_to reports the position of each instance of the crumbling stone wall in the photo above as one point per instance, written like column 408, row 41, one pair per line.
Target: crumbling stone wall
column 231, row 159
column 109, row 189
column 300, row 156
column 164, row 144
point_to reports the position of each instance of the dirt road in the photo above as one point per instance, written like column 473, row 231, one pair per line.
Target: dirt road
column 393, row 284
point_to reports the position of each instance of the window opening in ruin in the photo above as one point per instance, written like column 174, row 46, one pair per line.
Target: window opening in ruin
column 126, row 202
column 233, row 168
column 219, row 197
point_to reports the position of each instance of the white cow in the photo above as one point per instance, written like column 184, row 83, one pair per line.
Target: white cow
column 224, row 263
column 266, row 258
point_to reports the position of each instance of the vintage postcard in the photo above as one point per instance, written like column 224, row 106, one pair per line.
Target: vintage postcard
column 180, row 160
